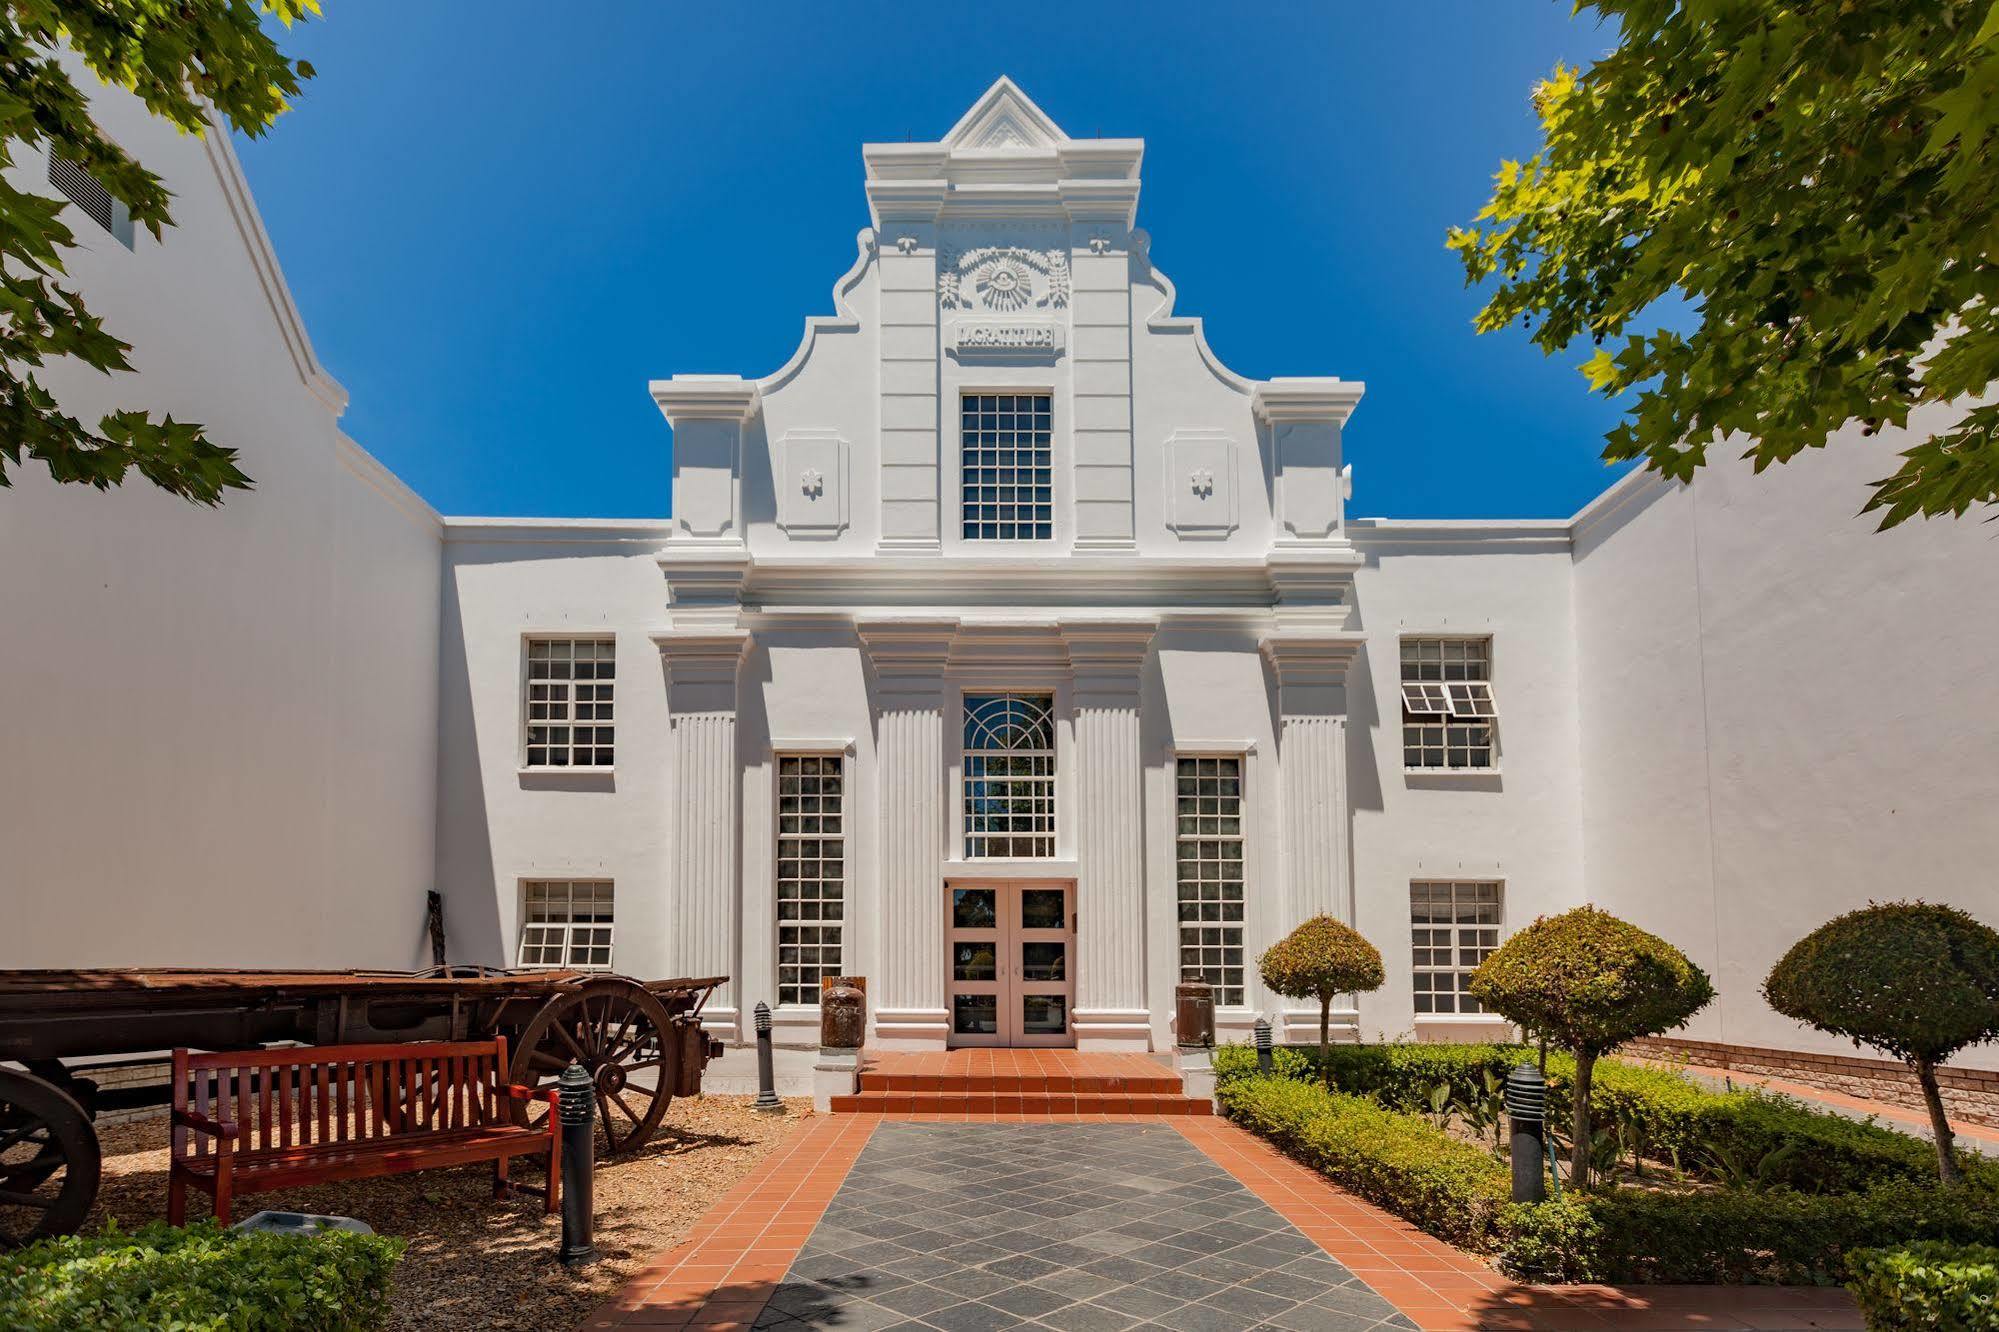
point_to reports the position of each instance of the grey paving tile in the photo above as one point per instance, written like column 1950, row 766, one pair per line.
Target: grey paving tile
column 1061, row 1228
column 916, row 1300
column 1029, row 1301
column 972, row 1317
column 1086, row 1318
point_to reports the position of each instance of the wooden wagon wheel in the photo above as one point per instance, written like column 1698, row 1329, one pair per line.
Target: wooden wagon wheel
column 49, row 1161
column 623, row 1038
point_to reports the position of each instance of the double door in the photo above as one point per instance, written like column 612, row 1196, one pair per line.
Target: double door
column 1010, row 952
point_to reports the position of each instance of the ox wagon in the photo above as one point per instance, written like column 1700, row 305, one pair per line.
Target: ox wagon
column 641, row 1041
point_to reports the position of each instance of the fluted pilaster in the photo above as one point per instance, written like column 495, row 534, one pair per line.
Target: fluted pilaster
column 704, row 824
column 909, row 661
column 1106, row 661
column 1316, row 815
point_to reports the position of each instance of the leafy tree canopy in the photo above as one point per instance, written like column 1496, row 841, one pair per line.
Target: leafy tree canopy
column 184, row 59
column 1818, row 179
column 1915, row 979
column 1590, row 982
column 1321, row 959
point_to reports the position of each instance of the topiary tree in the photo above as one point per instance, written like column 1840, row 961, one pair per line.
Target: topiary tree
column 1321, row 959
column 1589, row 982
column 1917, row 980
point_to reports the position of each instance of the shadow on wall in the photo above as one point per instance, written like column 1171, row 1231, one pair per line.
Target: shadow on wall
column 464, row 839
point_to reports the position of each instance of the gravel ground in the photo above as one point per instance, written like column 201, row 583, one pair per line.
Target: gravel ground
column 475, row 1262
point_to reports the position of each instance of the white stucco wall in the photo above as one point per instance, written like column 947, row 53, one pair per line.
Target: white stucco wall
column 1517, row 824
column 499, row 825
column 1784, row 714
column 223, row 723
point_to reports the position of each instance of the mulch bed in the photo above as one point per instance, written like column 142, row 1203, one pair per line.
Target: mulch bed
column 475, row 1262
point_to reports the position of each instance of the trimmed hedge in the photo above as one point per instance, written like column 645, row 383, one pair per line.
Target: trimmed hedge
column 1455, row 1191
column 1733, row 1236
column 1930, row 1286
column 1461, row 1193
column 1676, row 1118
column 198, row 1278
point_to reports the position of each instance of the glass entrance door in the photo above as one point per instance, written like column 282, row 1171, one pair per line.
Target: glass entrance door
column 1011, row 981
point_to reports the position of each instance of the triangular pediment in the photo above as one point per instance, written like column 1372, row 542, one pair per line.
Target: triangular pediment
column 1005, row 119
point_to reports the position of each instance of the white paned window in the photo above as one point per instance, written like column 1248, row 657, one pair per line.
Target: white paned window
column 1208, row 845
column 568, row 708
column 1009, row 775
column 567, row 923
column 1448, row 716
column 1006, row 470
column 811, row 873
column 1453, row 926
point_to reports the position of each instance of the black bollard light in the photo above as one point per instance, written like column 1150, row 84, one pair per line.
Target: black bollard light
column 1264, row 1061
column 578, row 1095
column 766, row 1076
column 1527, row 1107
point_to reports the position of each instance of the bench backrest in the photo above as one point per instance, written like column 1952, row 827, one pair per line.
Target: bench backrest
column 314, row 1095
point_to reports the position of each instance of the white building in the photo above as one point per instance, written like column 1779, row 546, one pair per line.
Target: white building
column 1003, row 647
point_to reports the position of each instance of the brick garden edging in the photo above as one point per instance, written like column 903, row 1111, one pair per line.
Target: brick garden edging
column 1968, row 1093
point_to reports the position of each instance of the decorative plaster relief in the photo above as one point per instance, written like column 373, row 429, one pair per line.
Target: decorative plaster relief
column 811, row 482
column 1200, row 485
column 1003, row 279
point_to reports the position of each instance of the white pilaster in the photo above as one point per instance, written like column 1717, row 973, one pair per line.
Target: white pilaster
column 909, row 661
column 1316, row 818
column 704, row 833
column 1106, row 661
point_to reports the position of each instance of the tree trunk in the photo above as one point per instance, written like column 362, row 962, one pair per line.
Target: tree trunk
column 1926, row 1074
column 1326, row 1037
column 1579, row 1139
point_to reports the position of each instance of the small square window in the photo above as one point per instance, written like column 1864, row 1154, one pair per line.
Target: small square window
column 566, row 924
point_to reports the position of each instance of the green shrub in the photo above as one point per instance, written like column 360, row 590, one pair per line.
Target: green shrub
column 1589, row 982
column 1461, row 1194
column 1928, row 1287
column 1410, row 1167
column 1674, row 1119
column 1730, row 1236
column 202, row 1277
column 1322, row 959
column 1914, row 980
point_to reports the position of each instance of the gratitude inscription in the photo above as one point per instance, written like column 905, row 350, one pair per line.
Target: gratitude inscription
column 1005, row 337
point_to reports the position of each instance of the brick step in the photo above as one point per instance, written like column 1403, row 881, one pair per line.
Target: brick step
column 963, row 1102
column 1008, row 1084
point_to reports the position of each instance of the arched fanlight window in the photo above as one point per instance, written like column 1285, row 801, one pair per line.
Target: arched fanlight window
column 1009, row 774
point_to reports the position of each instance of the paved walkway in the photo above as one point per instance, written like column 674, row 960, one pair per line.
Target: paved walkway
column 935, row 1223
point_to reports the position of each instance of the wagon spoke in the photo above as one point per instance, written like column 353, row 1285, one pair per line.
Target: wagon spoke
column 35, row 1133
column 570, row 1041
column 14, row 1199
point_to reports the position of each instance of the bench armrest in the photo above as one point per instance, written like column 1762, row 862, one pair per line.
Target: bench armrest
column 224, row 1129
column 520, row 1093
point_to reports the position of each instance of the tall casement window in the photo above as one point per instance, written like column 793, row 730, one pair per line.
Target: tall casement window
column 568, row 704
column 567, row 923
column 1006, row 489
column 1448, row 716
column 1453, row 926
column 1208, row 837
column 811, row 872
column 1009, row 775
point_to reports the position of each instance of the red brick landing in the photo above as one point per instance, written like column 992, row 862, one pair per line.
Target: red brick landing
column 1018, row 1082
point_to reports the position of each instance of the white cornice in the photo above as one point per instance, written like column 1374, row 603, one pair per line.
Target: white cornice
column 243, row 212
column 644, row 534
column 370, row 471
column 707, row 398
column 1284, row 401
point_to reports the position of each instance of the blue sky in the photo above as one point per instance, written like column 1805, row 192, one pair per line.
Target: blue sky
column 502, row 219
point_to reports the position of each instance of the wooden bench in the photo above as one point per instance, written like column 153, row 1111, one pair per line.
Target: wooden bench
column 252, row 1121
